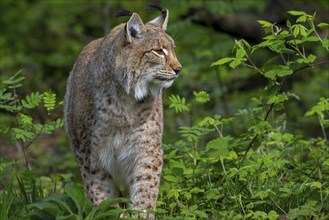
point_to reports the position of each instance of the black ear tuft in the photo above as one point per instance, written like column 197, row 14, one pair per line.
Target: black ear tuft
column 162, row 20
column 123, row 13
column 155, row 7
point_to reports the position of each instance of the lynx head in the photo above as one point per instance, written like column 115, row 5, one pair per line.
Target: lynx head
column 147, row 61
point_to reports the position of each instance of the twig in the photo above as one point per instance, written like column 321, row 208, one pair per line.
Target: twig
column 22, row 149
column 35, row 138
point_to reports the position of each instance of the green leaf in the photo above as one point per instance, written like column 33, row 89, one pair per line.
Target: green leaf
column 196, row 190
column 109, row 214
column 69, row 217
column 278, row 98
column 33, row 100
column 319, row 109
column 310, row 59
column 24, row 135
column 263, row 44
column 240, row 53
column 305, row 39
column 218, row 147
column 177, row 171
column 261, row 195
column 236, row 62
column 295, row 31
column 178, row 103
column 303, row 30
column 245, row 43
column 212, row 194
column 301, row 19
column 325, row 43
column 323, row 25
column 170, row 178
column 278, row 70
column 265, row 24
column 296, row 13
column 47, row 207
column 260, row 128
column 207, row 121
column 107, row 209
column 201, row 97
column 315, row 184
column 222, row 61
column 193, row 133
column 232, row 155
column 14, row 80
column 49, row 100
column 306, row 210
column 61, row 201
column 24, row 120
column 78, row 196
column 201, row 214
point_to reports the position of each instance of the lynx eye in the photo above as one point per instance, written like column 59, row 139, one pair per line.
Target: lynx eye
column 160, row 52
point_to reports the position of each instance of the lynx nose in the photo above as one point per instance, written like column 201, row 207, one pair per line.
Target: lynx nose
column 177, row 70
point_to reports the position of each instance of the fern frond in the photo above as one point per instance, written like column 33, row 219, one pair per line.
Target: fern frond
column 205, row 122
column 201, row 97
column 49, row 100
column 178, row 103
column 193, row 133
column 33, row 100
column 14, row 81
column 48, row 128
column 24, row 135
column 25, row 121
column 8, row 101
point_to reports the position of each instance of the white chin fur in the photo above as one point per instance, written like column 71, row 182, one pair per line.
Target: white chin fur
column 141, row 90
column 167, row 84
column 144, row 89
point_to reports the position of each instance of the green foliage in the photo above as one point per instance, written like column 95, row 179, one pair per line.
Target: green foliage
column 267, row 171
column 49, row 100
column 236, row 155
column 178, row 103
column 201, row 97
column 24, row 128
column 73, row 204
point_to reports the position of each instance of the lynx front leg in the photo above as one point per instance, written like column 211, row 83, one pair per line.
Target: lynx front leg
column 99, row 185
column 145, row 182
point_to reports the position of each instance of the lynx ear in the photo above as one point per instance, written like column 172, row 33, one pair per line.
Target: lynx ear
column 134, row 27
column 161, row 20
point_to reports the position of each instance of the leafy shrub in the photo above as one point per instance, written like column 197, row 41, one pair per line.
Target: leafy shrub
column 266, row 172
column 21, row 128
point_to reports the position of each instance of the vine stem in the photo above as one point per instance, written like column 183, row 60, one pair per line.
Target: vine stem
column 323, row 130
column 220, row 133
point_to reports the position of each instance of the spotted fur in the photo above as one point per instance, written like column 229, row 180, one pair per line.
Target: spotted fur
column 113, row 110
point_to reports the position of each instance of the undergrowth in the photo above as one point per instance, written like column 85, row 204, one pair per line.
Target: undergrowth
column 266, row 172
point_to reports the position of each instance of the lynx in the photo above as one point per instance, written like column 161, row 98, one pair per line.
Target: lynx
column 113, row 110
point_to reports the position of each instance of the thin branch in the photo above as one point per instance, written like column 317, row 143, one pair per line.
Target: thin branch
column 35, row 138
column 323, row 130
column 22, row 149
